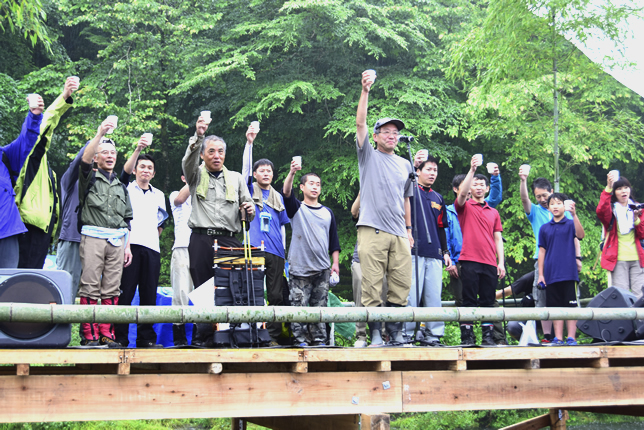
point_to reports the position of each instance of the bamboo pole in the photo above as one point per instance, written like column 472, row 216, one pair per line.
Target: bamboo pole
column 63, row 314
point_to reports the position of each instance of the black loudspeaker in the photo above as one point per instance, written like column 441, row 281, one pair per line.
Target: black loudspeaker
column 41, row 287
column 610, row 331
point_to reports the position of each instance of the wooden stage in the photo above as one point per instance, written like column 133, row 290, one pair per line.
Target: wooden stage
column 339, row 383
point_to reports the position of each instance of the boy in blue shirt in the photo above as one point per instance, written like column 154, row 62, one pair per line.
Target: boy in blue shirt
column 557, row 262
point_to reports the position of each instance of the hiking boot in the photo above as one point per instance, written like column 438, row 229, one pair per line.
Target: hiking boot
column 487, row 337
column 467, row 335
column 109, row 342
column 90, row 343
column 107, row 329
column 179, row 335
column 376, row 337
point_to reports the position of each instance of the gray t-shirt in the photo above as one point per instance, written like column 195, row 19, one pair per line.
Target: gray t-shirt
column 384, row 184
column 314, row 237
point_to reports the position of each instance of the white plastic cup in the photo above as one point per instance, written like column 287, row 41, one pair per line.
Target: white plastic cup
column 491, row 167
column 370, row 75
column 205, row 114
column 524, row 169
column 334, row 279
column 479, row 160
column 568, row 205
column 148, row 138
column 76, row 80
column 255, row 125
column 423, row 154
column 298, row 160
column 115, row 120
column 613, row 173
column 33, row 100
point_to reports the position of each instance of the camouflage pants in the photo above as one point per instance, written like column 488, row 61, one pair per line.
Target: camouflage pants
column 309, row 291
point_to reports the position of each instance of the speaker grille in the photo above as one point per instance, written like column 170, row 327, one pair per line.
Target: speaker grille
column 28, row 288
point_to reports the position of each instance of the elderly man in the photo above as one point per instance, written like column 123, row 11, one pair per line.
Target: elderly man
column 104, row 221
column 218, row 195
column 384, row 226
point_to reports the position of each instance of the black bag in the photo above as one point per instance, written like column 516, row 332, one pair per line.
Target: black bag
column 245, row 337
column 231, row 288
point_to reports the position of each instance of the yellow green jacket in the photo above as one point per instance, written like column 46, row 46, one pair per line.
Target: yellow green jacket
column 36, row 194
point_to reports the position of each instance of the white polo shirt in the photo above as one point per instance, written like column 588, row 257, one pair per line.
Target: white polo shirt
column 145, row 206
column 181, row 214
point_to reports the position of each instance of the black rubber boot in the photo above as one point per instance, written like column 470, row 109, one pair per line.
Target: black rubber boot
column 179, row 335
column 487, row 335
column 467, row 335
column 376, row 333
column 395, row 329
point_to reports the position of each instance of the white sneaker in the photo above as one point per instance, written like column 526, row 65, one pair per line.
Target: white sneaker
column 360, row 344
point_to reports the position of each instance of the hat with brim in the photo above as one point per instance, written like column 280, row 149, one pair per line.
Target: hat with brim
column 382, row 121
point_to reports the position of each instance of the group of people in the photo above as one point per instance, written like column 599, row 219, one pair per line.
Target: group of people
column 406, row 233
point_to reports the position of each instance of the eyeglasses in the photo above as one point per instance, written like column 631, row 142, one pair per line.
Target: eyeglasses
column 389, row 133
column 107, row 152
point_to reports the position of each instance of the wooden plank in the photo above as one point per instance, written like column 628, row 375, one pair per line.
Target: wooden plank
column 522, row 389
column 22, row 369
column 382, row 354
column 374, row 422
column 624, row 351
column 286, row 355
column 531, row 424
column 59, row 356
column 382, row 366
column 157, row 396
column 324, row 422
column 522, row 353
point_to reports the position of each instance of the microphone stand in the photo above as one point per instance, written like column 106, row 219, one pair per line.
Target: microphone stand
column 412, row 177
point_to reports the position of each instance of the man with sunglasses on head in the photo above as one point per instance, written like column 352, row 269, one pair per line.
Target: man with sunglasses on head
column 384, row 226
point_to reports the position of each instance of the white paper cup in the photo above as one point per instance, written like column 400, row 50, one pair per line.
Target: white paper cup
column 491, row 167
column 568, row 205
column 148, row 138
column 255, row 125
column 115, row 120
column 613, row 173
column 524, row 169
column 479, row 159
column 33, row 101
column 370, row 75
column 298, row 160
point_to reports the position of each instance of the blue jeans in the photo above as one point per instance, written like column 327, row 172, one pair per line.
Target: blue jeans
column 9, row 252
column 430, row 288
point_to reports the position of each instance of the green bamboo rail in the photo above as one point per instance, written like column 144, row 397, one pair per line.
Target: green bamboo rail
column 62, row 314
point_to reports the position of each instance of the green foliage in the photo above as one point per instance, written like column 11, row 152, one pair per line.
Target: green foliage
column 27, row 17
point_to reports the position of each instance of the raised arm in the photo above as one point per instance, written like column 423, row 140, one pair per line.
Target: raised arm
column 247, row 159
column 361, row 116
column 287, row 188
column 182, row 196
column 131, row 162
column 579, row 229
column 496, row 189
column 467, row 183
column 525, row 197
column 92, row 147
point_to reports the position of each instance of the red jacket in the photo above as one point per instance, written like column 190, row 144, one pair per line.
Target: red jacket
column 609, row 254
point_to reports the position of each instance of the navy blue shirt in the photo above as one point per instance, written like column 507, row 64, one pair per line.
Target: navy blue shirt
column 432, row 206
column 558, row 239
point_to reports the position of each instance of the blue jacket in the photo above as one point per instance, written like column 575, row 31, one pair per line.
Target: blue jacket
column 16, row 153
column 453, row 231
